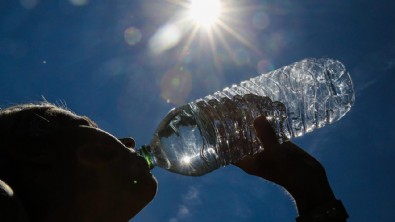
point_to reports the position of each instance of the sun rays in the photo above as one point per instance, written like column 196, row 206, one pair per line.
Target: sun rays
column 206, row 37
column 202, row 22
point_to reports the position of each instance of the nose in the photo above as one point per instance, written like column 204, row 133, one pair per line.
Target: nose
column 129, row 142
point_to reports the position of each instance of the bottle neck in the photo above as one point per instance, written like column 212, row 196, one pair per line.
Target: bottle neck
column 145, row 152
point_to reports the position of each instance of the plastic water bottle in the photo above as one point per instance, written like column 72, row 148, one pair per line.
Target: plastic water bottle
column 214, row 131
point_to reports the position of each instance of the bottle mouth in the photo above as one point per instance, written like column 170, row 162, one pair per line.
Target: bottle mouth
column 145, row 152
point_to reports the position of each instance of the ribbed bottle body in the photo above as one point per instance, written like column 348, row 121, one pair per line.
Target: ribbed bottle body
column 217, row 130
column 315, row 92
column 204, row 135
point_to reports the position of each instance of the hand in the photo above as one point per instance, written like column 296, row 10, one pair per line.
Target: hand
column 288, row 166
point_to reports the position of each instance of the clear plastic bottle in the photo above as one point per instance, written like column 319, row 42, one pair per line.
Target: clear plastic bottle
column 214, row 131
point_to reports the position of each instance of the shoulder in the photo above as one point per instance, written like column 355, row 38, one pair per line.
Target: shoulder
column 10, row 207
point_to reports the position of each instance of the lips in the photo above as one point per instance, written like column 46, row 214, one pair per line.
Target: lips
column 143, row 163
column 140, row 166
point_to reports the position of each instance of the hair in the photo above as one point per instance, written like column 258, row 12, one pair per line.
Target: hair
column 25, row 130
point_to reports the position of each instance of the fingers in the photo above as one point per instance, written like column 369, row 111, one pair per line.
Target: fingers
column 265, row 132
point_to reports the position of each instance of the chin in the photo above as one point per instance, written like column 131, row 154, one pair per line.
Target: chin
column 144, row 194
column 150, row 189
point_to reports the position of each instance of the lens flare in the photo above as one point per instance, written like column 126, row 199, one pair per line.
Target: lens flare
column 79, row 2
column 132, row 36
column 176, row 85
column 264, row 66
column 241, row 56
column 260, row 20
column 165, row 38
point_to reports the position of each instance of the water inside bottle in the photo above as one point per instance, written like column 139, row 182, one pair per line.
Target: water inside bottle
column 202, row 136
column 217, row 130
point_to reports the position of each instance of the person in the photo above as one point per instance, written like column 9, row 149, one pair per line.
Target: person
column 58, row 166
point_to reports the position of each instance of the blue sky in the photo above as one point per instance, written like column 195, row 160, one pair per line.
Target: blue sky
column 126, row 63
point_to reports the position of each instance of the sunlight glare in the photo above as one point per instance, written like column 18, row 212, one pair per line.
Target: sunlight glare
column 186, row 160
column 205, row 12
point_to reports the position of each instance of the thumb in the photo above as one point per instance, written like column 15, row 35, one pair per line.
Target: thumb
column 265, row 132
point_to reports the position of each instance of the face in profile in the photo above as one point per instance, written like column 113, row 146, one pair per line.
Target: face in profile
column 107, row 179
column 64, row 168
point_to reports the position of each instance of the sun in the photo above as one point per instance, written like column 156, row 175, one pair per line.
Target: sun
column 205, row 13
column 213, row 24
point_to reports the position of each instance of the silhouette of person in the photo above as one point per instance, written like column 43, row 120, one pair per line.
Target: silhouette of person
column 58, row 166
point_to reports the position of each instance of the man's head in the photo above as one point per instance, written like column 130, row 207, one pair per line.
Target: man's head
column 62, row 166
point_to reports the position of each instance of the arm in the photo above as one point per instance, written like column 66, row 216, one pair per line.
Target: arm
column 292, row 168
